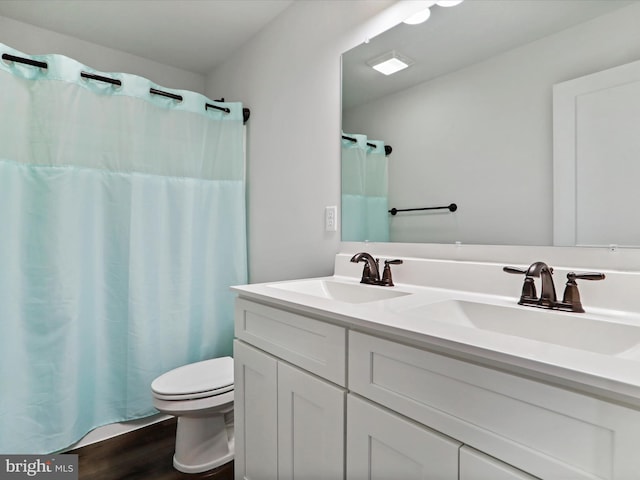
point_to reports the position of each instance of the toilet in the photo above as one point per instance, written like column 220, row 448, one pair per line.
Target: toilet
column 201, row 396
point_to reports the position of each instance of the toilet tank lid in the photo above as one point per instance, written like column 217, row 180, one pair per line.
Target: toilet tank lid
column 196, row 377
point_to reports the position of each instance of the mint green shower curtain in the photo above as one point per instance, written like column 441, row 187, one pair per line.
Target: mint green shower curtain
column 122, row 226
column 365, row 216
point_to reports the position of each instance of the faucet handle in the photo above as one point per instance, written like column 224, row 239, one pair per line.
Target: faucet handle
column 529, row 292
column 585, row 276
column 387, row 281
column 522, row 271
column 571, row 298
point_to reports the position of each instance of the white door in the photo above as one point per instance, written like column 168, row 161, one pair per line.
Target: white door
column 475, row 465
column 310, row 426
column 596, row 146
column 255, row 404
column 382, row 446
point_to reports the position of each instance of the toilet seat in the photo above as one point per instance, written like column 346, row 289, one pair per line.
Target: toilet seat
column 203, row 379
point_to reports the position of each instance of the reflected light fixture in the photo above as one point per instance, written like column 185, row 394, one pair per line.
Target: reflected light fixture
column 418, row 17
column 423, row 15
column 390, row 63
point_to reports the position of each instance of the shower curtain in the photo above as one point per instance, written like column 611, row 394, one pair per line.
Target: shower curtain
column 365, row 202
column 122, row 226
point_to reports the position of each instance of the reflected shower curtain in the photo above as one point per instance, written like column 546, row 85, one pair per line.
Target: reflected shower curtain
column 365, row 202
column 122, row 226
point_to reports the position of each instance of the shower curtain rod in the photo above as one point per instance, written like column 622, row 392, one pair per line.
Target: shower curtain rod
column 246, row 113
column 387, row 148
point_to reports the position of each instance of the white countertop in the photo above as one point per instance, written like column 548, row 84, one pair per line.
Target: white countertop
column 413, row 319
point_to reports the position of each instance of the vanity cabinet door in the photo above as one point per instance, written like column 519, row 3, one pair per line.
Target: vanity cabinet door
column 475, row 465
column 310, row 426
column 256, row 410
column 382, row 445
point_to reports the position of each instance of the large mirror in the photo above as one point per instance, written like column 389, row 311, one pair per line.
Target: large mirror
column 470, row 122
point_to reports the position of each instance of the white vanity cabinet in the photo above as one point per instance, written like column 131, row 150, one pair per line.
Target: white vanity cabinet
column 545, row 431
column 289, row 422
column 318, row 400
column 475, row 465
column 383, row 445
column 310, row 426
column 255, row 413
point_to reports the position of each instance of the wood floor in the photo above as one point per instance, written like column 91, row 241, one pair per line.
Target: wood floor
column 144, row 454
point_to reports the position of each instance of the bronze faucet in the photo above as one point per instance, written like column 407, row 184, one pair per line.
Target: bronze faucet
column 548, row 299
column 371, row 271
column 548, row 290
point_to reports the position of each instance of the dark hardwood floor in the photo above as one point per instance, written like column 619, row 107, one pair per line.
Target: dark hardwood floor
column 144, row 454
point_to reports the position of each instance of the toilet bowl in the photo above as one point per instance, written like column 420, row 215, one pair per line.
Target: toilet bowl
column 201, row 396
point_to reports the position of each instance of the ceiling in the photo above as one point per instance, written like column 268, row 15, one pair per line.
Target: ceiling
column 193, row 35
column 457, row 37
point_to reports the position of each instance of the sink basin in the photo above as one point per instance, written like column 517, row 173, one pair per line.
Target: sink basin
column 575, row 331
column 343, row 292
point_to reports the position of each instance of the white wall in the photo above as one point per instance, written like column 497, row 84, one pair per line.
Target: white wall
column 482, row 136
column 33, row 40
column 289, row 76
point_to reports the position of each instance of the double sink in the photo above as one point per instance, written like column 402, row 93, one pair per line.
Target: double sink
column 597, row 333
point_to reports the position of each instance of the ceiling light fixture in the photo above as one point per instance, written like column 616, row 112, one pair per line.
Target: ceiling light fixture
column 390, row 63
